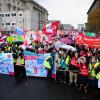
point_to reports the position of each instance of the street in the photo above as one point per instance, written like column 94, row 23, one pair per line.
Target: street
column 39, row 89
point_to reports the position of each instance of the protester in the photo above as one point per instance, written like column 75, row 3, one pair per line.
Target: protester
column 83, row 74
column 74, row 68
column 48, row 64
column 20, row 69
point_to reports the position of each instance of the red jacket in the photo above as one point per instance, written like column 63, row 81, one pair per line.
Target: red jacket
column 83, row 70
column 74, row 62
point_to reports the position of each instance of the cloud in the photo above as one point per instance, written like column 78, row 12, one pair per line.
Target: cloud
column 68, row 11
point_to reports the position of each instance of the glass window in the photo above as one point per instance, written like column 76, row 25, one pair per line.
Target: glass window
column 8, row 15
column 14, row 8
column 7, row 23
column 18, row 8
column 12, row 23
column 14, row 14
column 2, row 15
column 20, row 14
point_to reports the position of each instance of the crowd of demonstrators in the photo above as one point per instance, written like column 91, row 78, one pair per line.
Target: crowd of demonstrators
column 81, row 67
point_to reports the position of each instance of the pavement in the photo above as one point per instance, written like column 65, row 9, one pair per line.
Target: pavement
column 40, row 89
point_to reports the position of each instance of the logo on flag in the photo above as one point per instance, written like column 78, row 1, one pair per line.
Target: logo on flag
column 50, row 28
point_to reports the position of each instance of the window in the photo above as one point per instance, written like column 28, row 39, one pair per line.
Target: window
column 0, row 4
column 13, row 14
column 2, row 15
column 20, row 14
column 9, row 6
column 18, row 8
column 12, row 23
column 7, row 23
column 8, row 15
column 18, row 3
column 14, row 8
column 0, row 9
column 13, row 1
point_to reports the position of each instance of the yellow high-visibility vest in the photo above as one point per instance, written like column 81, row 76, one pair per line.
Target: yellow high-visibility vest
column 67, row 60
column 46, row 64
column 98, row 75
column 22, row 61
column 92, row 71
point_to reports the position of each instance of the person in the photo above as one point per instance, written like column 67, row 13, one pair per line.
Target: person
column 83, row 74
column 20, row 69
column 57, row 63
column 63, row 69
column 48, row 64
column 74, row 67
column 40, row 50
column 97, row 71
column 92, row 66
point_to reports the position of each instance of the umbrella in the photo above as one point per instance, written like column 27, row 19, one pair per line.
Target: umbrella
column 18, row 38
column 58, row 44
column 68, row 47
column 10, row 39
column 3, row 37
column 66, row 40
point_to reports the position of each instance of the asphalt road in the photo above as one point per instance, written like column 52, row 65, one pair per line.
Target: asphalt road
column 40, row 89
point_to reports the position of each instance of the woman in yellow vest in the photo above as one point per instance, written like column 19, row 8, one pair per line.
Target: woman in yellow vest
column 92, row 75
column 98, row 75
column 20, row 66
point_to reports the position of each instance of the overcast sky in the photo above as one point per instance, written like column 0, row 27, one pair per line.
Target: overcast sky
column 68, row 11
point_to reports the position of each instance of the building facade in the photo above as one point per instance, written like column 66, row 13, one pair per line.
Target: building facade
column 94, row 17
column 67, row 27
column 81, row 27
column 26, row 14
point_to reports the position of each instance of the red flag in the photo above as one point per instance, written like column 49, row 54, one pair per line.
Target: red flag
column 50, row 28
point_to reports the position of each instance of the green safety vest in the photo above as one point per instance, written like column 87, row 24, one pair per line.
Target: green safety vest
column 14, row 60
column 92, row 71
column 98, row 75
column 22, row 61
column 46, row 64
column 67, row 60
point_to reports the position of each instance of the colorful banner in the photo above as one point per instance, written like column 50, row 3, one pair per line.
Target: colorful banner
column 34, row 64
column 6, row 63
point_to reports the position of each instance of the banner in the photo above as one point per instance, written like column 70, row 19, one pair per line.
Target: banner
column 34, row 64
column 6, row 63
